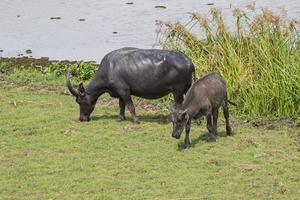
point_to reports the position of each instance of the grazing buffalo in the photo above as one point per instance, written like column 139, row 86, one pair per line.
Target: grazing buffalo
column 146, row 73
column 204, row 98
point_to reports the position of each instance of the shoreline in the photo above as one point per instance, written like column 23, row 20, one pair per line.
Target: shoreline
column 42, row 62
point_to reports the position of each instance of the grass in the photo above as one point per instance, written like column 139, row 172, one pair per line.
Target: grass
column 259, row 58
column 82, row 70
column 47, row 154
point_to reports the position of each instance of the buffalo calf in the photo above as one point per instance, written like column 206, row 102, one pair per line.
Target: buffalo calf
column 203, row 98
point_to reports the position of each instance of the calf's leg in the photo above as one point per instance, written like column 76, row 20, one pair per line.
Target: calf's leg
column 215, row 122
column 187, row 142
column 209, row 125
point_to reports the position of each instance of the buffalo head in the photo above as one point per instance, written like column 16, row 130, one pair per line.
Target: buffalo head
column 82, row 98
column 179, row 118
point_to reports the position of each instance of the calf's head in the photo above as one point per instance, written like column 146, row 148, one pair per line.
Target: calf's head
column 82, row 98
column 179, row 118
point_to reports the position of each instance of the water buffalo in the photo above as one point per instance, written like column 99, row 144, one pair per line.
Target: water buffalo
column 204, row 98
column 146, row 73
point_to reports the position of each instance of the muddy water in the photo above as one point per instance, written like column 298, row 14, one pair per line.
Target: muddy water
column 88, row 29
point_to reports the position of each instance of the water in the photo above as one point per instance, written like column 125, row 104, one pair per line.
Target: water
column 106, row 25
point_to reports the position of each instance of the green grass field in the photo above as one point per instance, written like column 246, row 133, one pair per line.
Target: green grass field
column 47, row 154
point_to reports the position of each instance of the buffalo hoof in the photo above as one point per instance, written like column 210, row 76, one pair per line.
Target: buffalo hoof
column 212, row 139
column 229, row 131
column 186, row 146
column 120, row 118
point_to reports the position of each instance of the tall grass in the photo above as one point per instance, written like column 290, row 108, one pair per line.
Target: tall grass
column 259, row 57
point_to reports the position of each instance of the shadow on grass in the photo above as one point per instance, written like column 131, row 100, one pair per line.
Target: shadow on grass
column 203, row 137
column 156, row 118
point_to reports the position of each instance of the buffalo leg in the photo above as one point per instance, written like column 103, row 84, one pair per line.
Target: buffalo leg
column 226, row 116
column 122, row 110
column 187, row 142
column 209, row 126
column 128, row 101
column 178, row 97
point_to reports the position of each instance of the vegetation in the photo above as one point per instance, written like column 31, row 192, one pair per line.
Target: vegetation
column 82, row 70
column 47, row 154
column 259, row 57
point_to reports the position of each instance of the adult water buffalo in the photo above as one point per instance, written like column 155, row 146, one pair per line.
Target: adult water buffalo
column 146, row 73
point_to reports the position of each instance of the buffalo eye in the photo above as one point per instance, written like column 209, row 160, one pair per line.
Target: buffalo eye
column 178, row 119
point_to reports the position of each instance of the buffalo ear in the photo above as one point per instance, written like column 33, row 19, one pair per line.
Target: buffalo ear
column 81, row 89
column 184, row 115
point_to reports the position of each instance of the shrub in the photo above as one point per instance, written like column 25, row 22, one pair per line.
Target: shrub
column 260, row 59
column 82, row 70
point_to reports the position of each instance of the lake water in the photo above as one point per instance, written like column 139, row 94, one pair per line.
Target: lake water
column 88, row 29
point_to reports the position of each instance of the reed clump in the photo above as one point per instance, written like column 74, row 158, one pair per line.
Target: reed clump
column 259, row 56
